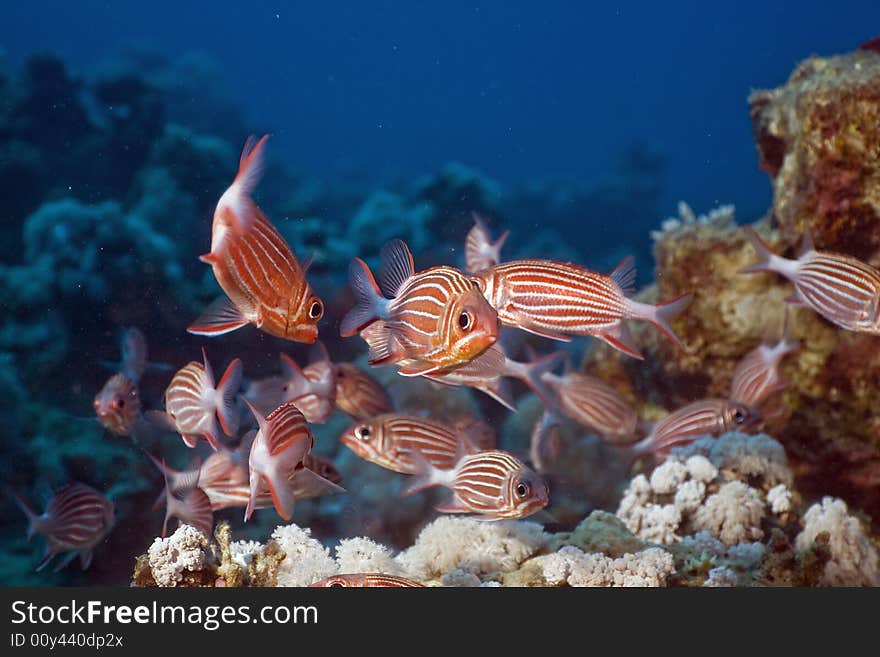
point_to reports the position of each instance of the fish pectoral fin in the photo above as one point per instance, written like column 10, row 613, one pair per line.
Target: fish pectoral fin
column 220, row 317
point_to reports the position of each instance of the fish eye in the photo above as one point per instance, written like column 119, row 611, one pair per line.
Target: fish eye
column 739, row 416
column 336, row 583
column 316, row 310
column 522, row 490
column 465, row 321
column 362, row 433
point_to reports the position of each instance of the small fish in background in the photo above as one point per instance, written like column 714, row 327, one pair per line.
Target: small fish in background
column 487, row 371
column 545, row 443
column 558, row 299
column 594, row 404
column 264, row 283
column 757, row 375
column 76, row 520
column 359, row 395
column 840, row 288
column 193, row 404
column 118, row 404
column 492, row 484
column 313, row 387
column 280, row 446
column 480, row 252
column 391, row 441
column 184, row 498
column 477, row 432
column 365, row 580
column 685, row 425
column 435, row 319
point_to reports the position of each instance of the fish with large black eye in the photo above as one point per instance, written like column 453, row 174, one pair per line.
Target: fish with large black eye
column 705, row 417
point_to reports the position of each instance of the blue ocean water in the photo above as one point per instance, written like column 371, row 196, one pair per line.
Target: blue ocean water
column 577, row 127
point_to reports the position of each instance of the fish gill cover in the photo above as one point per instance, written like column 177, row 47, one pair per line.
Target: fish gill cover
column 497, row 392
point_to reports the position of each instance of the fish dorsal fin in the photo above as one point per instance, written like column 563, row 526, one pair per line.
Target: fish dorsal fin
column 806, row 243
column 209, row 373
column 238, row 197
column 134, row 353
column 258, row 416
column 397, row 267
column 318, row 353
column 625, row 275
column 296, row 381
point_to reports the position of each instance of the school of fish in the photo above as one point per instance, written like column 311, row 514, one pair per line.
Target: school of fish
column 450, row 326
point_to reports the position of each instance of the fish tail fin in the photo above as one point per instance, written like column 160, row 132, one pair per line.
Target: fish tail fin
column 33, row 517
column 767, row 260
column 661, row 315
column 227, row 392
column 426, row 475
column 368, row 299
column 236, row 201
column 536, row 368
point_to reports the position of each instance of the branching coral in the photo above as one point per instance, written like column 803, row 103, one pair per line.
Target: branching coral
column 650, row 567
column 306, row 560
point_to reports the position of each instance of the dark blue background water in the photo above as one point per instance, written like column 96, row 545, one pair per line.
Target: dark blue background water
column 516, row 89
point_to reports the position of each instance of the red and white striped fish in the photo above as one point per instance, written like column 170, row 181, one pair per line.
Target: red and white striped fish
column 493, row 484
column 193, row 404
column 757, row 375
column 365, row 580
column 391, row 440
column 118, row 404
column 313, row 387
column 487, row 371
column 265, row 284
column 594, row 404
column 687, row 424
column 281, row 445
column 358, row 394
column 184, row 498
column 842, row 289
column 76, row 520
column 480, row 252
column 545, row 442
column 436, row 319
column 559, row 299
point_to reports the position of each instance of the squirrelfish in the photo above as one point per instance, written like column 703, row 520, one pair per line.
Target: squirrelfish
column 76, row 520
column 265, row 284
column 118, row 404
column 757, row 375
column 436, row 318
column 480, row 252
column 594, row 404
column 545, row 442
column 493, row 484
column 487, row 371
column 704, row 417
column 360, row 395
column 842, row 289
column 282, row 442
column 184, row 499
column 364, row 580
column 559, row 299
column 312, row 387
column 391, row 441
column 193, row 403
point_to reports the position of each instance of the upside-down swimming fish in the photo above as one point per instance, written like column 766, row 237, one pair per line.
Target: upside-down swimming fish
column 193, row 404
column 77, row 518
column 842, row 289
column 493, row 484
column 392, row 440
column 436, row 319
column 480, row 252
column 757, row 375
column 282, row 442
column 365, row 580
column 264, row 282
column 560, row 299
column 184, row 498
column 118, row 404
column 358, row 394
column 312, row 387
column 683, row 426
